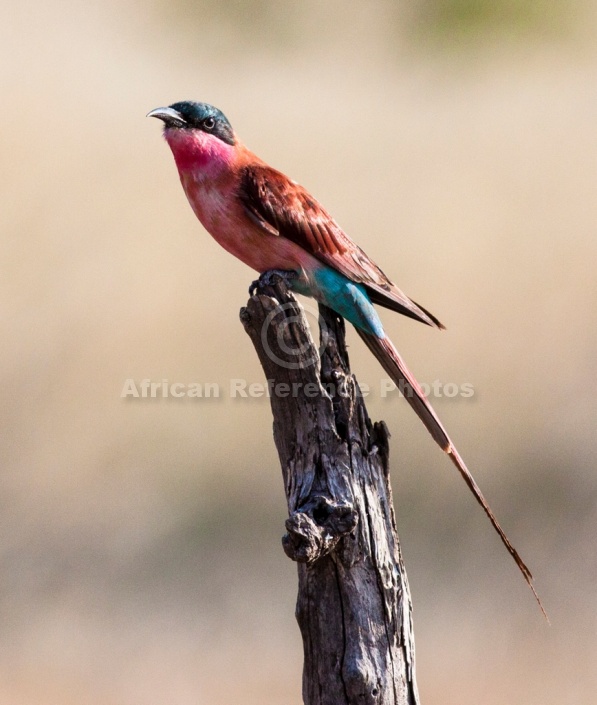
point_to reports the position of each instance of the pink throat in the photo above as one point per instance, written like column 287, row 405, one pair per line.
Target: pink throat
column 194, row 149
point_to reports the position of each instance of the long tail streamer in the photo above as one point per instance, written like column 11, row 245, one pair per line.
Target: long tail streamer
column 394, row 365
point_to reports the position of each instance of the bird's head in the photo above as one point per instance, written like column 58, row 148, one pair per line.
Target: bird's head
column 199, row 135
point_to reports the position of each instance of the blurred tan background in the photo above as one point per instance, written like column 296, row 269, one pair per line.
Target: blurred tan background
column 455, row 140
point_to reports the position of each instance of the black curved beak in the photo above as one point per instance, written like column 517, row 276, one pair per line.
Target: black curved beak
column 171, row 117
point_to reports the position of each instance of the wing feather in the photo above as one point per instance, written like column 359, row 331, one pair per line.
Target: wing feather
column 285, row 208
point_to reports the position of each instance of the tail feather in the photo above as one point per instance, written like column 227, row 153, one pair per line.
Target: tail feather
column 394, row 365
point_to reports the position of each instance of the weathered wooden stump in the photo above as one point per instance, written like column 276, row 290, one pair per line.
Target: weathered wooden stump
column 354, row 608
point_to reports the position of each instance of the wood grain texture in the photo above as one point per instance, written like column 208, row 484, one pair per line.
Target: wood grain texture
column 354, row 608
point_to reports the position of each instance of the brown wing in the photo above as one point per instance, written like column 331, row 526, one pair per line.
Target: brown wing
column 284, row 208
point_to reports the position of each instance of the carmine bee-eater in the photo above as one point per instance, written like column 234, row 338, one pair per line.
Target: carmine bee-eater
column 271, row 223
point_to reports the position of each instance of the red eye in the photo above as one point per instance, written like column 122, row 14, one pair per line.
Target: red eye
column 208, row 124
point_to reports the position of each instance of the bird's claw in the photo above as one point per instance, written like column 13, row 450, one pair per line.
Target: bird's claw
column 268, row 279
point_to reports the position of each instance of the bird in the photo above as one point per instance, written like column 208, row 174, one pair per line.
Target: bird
column 273, row 224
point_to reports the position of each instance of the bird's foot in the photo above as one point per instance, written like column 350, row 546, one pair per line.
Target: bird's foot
column 269, row 279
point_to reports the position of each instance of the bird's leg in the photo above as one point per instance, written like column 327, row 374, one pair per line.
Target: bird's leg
column 268, row 279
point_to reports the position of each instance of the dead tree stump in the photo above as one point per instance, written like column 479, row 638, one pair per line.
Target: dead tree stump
column 354, row 607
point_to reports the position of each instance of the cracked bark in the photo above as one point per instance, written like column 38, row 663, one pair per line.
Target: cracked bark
column 353, row 608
